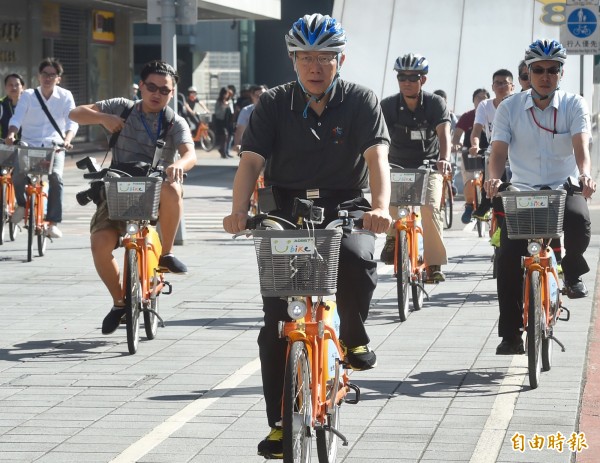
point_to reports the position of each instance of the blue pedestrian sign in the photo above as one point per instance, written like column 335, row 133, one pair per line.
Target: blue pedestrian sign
column 580, row 33
column 582, row 22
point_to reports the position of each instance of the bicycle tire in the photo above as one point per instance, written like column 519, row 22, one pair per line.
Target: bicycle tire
column 418, row 295
column 42, row 242
column 30, row 227
column 534, row 330
column 297, row 406
column 3, row 212
column 402, row 274
column 132, row 301
column 547, row 344
column 478, row 222
column 151, row 320
column 327, row 441
column 495, row 263
column 208, row 141
column 448, row 204
column 13, row 230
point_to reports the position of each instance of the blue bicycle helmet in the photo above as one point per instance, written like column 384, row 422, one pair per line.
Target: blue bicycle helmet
column 316, row 33
column 545, row 50
column 412, row 62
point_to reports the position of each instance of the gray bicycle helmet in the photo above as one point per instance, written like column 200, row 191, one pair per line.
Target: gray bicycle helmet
column 412, row 62
column 545, row 50
column 316, row 33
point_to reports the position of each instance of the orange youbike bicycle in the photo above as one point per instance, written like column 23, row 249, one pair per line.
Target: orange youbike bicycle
column 537, row 216
column 300, row 265
column 447, row 203
column 475, row 164
column 8, row 201
column 204, row 135
column 254, row 207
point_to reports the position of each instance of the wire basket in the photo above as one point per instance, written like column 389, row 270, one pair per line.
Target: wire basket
column 133, row 198
column 7, row 155
column 205, row 117
column 297, row 262
column 36, row 160
column 534, row 214
column 473, row 163
column 409, row 187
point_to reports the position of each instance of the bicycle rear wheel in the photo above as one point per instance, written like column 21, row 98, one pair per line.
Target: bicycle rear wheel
column 535, row 321
column 3, row 212
column 402, row 274
column 30, row 227
column 132, row 301
column 208, row 141
column 327, row 440
column 297, row 406
column 151, row 320
column 447, row 204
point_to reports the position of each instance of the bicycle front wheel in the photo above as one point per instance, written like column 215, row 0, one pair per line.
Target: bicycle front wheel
column 535, row 328
column 327, row 439
column 402, row 274
column 3, row 211
column 478, row 222
column 447, row 204
column 208, row 141
column 151, row 320
column 42, row 242
column 297, row 406
column 30, row 227
column 132, row 301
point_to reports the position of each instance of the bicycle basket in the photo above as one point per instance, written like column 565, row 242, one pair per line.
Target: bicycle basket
column 133, row 198
column 534, row 214
column 36, row 160
column 7, row 155
column 473, row 163
column 297, row 262
column 409, row 186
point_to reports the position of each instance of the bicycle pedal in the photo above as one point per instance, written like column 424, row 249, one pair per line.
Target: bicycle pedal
column 170, row 286
column 356, row 390
column 568, row 314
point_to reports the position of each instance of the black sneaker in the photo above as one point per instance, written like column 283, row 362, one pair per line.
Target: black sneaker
column 361, row 358
column 576, row 289
column 271, row 447
column 170, row 263
column 389, row 248
column 511, row 346
column 435, row 274
column 112, row 320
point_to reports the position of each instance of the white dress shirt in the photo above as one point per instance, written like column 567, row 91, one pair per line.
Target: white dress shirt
column 37, row 130
column 538, row 156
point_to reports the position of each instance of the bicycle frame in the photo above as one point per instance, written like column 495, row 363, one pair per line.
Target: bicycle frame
column 408, row 224
column 6, row 179
column 36, row 189
column 201, row 131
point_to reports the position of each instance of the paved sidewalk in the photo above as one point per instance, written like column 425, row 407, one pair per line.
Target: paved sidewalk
column 439, row 393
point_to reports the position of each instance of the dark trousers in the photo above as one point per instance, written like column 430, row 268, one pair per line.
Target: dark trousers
column 357, row 279
column 577, row 234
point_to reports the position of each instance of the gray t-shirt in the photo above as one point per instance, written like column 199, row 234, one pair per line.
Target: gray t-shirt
column 137, row 141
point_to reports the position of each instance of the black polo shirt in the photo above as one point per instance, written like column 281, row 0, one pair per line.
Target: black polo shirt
column 323, row 151
column 413, row 135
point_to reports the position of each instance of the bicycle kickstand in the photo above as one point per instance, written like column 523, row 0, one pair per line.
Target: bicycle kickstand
column 562, row 346
column 337, row 433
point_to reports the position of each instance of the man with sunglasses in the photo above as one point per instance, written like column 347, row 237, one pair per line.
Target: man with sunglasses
column 140, row 125
column 524, row 76
column 419, row 126
column 545, row 133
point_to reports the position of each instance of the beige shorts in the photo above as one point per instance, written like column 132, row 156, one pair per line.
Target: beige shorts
column 100, row 221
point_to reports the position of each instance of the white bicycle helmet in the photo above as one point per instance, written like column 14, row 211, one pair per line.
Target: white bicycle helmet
column 545, row 50
column 412, row 62
column 316, row 33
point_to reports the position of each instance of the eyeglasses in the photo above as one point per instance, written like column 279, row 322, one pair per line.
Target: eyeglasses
column 409, row 77
column 553, row 71
column 323, row 60
column 153, row 88
column 524, row 77
column 45, row 75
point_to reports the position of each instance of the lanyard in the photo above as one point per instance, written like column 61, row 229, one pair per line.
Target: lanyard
column 148, row 131
column 553, row 132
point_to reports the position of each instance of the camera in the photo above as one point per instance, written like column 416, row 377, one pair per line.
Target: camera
column 306, row 209
column 93, row 193
column 88, row 163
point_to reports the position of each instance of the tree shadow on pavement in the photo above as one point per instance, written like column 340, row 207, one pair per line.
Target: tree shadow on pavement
column 56, row 349
column 212, row 393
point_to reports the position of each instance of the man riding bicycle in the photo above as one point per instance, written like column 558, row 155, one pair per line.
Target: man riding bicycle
column 325, row 139
column 545, row 133
column 140, row 126
column 419, row 125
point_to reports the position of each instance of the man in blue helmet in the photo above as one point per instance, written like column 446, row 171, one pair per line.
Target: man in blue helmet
column 325, row 139
column 419, row 125
column 545, row 133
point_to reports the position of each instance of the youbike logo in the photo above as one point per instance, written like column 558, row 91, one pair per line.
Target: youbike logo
column 401, row 177
column 292, row 246
column 532, row 202
column 131, row 187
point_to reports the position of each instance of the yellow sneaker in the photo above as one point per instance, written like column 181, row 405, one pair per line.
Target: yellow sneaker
column 495, row 239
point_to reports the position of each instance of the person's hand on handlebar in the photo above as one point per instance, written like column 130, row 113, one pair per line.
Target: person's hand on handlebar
column 112, row 122
column 588, row 186
column 474, row 150
column 235, row 222
column 174, row 173
column 491, row 186
column 377, row 220
column 444, row 166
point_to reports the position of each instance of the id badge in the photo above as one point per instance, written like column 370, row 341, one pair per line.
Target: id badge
column 417, row 135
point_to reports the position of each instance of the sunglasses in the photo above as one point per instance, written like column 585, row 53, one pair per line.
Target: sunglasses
column 153, row 88
column 409, row 77
column 524, row 77
column 555, row 70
